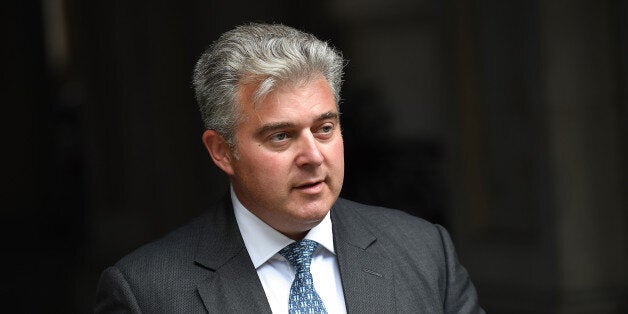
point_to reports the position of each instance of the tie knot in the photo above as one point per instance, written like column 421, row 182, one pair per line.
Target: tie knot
column 299, row 254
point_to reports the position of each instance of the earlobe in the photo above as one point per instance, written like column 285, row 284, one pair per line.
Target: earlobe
column 219, row 150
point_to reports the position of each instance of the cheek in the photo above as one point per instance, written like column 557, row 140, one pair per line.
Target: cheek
column 337, row 154
column 270, row 167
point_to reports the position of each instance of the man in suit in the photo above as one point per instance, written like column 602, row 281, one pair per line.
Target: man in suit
column 282, row 241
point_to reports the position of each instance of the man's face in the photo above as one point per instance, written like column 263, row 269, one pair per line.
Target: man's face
column 289, row 165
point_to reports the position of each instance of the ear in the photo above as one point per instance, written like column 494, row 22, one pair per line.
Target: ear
column 219, row 150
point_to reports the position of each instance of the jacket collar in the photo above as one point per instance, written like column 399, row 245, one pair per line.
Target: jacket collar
column 232, row 284
column 367, row 277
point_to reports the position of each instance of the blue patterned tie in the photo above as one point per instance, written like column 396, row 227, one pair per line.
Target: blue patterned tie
column 303, row 297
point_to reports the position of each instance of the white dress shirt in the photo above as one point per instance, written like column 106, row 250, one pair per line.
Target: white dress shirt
column 276, row 274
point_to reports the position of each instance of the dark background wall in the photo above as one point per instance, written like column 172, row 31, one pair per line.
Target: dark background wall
column 505, row 121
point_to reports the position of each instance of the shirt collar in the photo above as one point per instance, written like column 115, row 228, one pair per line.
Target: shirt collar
column 263, row 242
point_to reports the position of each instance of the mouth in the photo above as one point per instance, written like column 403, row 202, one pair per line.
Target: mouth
column 311, row 187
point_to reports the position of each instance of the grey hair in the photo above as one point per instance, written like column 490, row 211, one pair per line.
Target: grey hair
column 264, row 54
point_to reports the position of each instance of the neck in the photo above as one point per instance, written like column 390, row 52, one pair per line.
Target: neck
column 295, row 236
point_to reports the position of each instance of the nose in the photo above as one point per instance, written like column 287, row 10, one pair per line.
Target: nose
column 309, row 152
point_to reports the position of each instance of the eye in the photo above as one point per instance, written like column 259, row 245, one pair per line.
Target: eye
column 325, row 131
column 278, row 137
column 327, row 128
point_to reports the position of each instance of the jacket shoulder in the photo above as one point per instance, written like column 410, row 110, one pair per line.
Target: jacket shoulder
column 419, row 252
column 177, row 245
column 388, row 221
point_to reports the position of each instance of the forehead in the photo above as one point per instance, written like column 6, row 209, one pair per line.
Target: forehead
column 299, row 94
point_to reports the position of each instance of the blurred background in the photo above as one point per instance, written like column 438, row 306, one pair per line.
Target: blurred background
column 504, row 121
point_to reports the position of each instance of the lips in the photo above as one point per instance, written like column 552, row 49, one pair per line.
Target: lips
column 311, row 187
column 308, row 185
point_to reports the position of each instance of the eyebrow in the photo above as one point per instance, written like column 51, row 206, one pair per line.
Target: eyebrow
column 328, row 115
column 266, row 128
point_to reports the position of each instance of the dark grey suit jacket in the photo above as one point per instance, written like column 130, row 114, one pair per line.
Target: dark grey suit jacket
column 389, row 262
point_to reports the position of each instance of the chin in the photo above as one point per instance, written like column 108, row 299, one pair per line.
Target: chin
column 315, row 212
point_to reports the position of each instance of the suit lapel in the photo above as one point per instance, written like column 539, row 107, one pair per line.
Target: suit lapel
column 367, row 278
column 232, row 284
